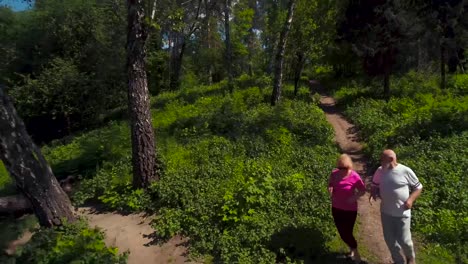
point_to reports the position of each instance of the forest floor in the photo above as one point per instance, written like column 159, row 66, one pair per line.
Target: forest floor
column 370, row 236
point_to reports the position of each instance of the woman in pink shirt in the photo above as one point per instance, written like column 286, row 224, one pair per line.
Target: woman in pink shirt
column 345, row 187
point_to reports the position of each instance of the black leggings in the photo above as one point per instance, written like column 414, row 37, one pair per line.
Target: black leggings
column 344, row 221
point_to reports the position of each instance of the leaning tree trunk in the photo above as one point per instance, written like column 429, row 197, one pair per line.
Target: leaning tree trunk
column 227, row 29
column 142, row 134
column 276, row 94
column 26, row 164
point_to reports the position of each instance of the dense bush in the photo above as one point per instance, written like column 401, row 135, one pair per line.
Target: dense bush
column 71, row 243
column 460, row 83
column 428, row 127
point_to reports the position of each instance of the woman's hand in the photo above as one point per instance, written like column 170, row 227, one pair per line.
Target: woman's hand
column 330, row 190
column 355, row 197
column 352, row 199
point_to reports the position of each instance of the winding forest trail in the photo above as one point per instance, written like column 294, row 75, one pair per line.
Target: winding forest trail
column 370, row 235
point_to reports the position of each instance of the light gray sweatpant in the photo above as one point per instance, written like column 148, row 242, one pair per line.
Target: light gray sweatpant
column 397, row 235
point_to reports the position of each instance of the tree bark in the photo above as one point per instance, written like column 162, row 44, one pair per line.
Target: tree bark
column 387, row 85
column 298, row 71
column 177, row 56
column 26, row 164
column 207, row 36
column 442, row 66
column 279, row 59
column 142, row 134
column 178, row 50
column 227, row 29
column 252, row 36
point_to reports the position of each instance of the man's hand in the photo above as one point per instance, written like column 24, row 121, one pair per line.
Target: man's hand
column 408, row 204
column 374, row 194
column 413, row 196
column 330, row 190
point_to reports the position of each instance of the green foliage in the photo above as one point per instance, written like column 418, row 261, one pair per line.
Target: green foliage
column 460, row 83
column 253, row 81
column 235, row 165
column 428, row 129
column 101, row 160
column 81, row 155
column 417, row 110
column 12, row 229
column 157, row 71
column 67, row 65
column 112, row 185
column 413, row 83
column 60, row 79
column 71, row 243
column 442, row 209
column 7, row 186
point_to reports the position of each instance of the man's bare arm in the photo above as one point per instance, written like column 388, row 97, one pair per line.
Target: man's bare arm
column 413, row 196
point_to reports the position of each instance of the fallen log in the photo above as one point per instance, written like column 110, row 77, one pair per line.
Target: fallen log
column 19, row 204
column 14, row 203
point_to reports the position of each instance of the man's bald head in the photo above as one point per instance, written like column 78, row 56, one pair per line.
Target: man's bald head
column 388, row 158
column 389, row 153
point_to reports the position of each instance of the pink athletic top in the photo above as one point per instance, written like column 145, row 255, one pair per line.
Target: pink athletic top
column 344, row 189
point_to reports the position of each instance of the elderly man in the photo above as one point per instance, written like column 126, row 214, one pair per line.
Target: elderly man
column 398, row 188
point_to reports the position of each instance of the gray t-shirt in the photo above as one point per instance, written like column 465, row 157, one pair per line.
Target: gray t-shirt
column 395, row 186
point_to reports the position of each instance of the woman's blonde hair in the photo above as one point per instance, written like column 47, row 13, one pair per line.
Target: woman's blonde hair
column 344, row 161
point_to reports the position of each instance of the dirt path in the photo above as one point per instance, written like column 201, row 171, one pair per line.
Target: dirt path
column 133, row 232
column 370, row 228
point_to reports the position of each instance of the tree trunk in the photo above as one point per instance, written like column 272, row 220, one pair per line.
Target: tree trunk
column 142, row 134
column 227, row 29
column 153, row 10
column 251, row 51
column 298, row 71
column 251, row 38
column 276, row 94
column 207, row 37
column 419, row 57
column 442, row 66
column 176, row 61
column 26, row 164
column 387, row 85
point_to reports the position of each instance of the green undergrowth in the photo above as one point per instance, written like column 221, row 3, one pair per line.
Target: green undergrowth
column 246, row 182
column 70, row 243
column 11, row 229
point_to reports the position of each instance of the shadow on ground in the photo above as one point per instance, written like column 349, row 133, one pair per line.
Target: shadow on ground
column 305, row 244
